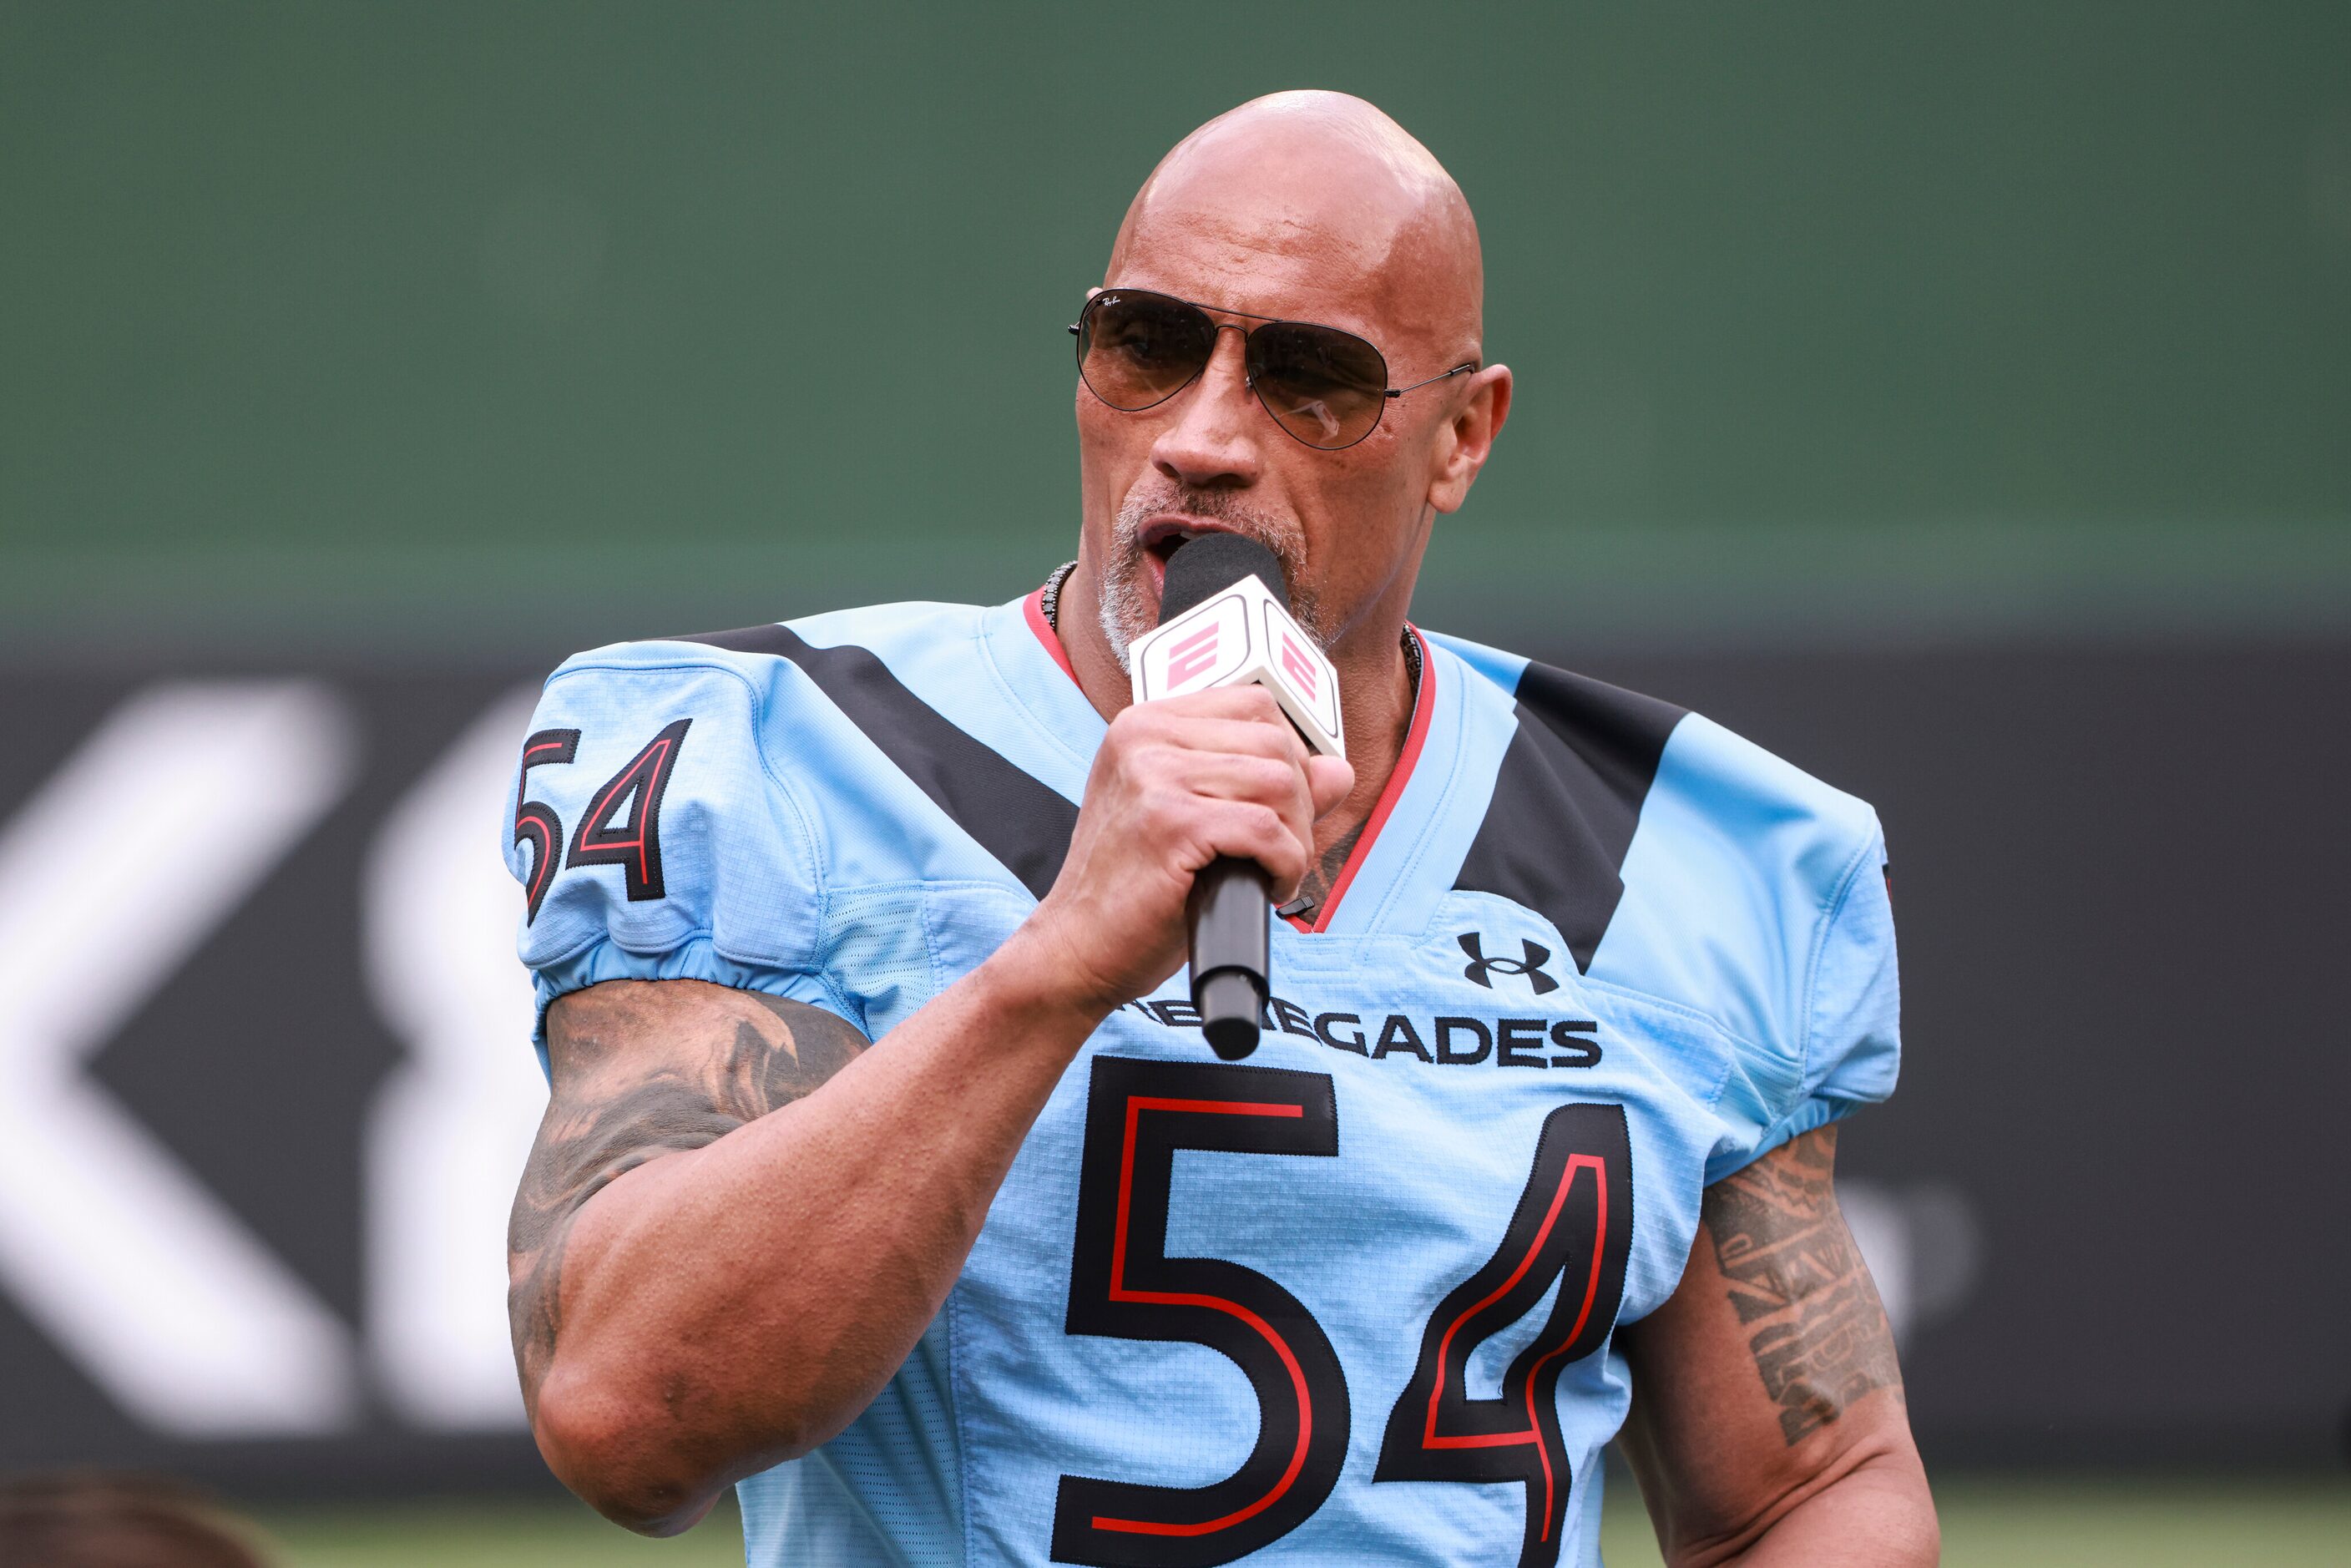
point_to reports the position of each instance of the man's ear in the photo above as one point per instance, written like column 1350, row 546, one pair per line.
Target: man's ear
column 1466, row 439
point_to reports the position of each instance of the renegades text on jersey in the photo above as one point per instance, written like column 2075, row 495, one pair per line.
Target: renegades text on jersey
column 1354, row 1299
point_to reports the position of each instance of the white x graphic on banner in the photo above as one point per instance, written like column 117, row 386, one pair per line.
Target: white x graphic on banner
column 153, row 831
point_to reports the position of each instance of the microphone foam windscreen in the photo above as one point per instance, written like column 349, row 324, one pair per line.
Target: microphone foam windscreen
column 1212, row 563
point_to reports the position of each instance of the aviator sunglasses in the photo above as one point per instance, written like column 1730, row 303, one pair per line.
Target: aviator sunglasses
column 1326, row 387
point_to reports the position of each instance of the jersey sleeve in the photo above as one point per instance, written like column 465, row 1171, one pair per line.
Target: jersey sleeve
column 653, row 837
column 1853, row 1044
column 1850, row 1025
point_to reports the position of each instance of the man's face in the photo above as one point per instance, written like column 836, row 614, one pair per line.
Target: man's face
column 1348, row 525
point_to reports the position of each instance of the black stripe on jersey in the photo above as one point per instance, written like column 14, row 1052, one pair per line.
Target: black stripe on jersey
column 1007, row 812
column 1566, row 800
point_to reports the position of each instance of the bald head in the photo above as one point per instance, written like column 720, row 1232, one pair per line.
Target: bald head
column 1304, row 207
column 1322, row 202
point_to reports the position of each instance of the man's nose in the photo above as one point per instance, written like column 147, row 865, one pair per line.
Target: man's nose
column 1212, row 437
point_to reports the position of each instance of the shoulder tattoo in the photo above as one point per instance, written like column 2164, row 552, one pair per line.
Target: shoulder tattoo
column 1821, row 1340
column 635, row 1078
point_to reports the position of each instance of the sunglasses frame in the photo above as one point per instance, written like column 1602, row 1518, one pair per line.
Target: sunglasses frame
column 1077, row 330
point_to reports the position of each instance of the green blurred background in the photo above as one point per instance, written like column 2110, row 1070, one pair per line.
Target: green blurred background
column 439, row 326
column 474, row 332
column 1986, row 1524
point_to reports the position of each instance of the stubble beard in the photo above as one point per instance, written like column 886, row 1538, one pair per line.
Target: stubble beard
column 1127, row 607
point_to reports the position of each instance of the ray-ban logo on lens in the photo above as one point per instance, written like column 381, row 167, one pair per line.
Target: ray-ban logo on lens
column 1482, row 968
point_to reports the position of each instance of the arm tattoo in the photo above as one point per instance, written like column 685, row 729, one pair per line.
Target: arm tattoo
column 605, row 1119
column 1822, row 1339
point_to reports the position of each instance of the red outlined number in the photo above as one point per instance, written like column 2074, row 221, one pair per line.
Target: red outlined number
column 1123, row 1285
column 1574, row 1224
column 535, row 822
column 633, row 843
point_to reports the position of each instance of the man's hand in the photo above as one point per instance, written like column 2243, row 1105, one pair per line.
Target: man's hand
column 1177, row 783
column 1768, row 1422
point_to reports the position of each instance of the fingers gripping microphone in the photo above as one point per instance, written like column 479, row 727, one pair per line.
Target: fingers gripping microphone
column 1224, row 621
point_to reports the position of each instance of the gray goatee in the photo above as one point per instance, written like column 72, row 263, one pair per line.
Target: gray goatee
column 1127, row 607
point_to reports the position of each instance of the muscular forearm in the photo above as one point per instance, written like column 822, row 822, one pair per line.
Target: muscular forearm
column 1879, row 1514
column 725, row 1307
column 1768, row 1423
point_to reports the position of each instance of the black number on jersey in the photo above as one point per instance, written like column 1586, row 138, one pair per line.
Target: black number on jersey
column 1574, row 1224
column 535, row 822
column 1123, row 1285
column 633, row 842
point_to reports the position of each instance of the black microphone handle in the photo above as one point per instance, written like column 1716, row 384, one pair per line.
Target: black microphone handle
column 1230, row 912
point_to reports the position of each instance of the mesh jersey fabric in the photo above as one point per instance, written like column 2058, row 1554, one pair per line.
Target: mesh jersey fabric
column 1354, row 1296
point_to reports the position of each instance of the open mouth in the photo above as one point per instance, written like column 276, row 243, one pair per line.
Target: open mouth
column 1164, row 536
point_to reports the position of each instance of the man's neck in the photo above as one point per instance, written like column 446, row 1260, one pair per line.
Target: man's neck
column 1376, row 689
column 1375, row 696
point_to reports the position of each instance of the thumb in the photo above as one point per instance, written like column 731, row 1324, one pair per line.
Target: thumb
column 1330, row 778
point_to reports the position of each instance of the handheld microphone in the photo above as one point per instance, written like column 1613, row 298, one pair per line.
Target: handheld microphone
column 1224, row 621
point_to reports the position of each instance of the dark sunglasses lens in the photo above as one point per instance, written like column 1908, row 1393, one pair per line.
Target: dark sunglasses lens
column 1136, row 350
column 1323, row 386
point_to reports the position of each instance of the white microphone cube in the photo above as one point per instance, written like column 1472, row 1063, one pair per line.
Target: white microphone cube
column 1233, row 637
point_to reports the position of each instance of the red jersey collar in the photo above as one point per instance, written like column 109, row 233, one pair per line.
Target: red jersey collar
column 1423, row 704
column 1033, row 608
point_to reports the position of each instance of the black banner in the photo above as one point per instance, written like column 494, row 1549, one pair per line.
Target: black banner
column 265, row 1078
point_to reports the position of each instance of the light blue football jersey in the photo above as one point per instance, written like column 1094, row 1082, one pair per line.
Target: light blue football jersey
column 1354, row 1299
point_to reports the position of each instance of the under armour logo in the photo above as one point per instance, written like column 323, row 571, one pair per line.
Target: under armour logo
column 1481, row 966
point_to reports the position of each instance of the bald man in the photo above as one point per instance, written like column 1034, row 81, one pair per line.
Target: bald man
column 886, row 1173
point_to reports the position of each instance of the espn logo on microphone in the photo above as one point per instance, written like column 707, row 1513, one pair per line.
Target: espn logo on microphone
column 1239, row 635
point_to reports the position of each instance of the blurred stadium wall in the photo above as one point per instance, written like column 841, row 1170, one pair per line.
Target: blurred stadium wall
column 1957, row 400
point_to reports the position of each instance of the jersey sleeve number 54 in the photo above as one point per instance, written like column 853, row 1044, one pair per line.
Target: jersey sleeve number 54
column 1572, row 1223
column 622, row 825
